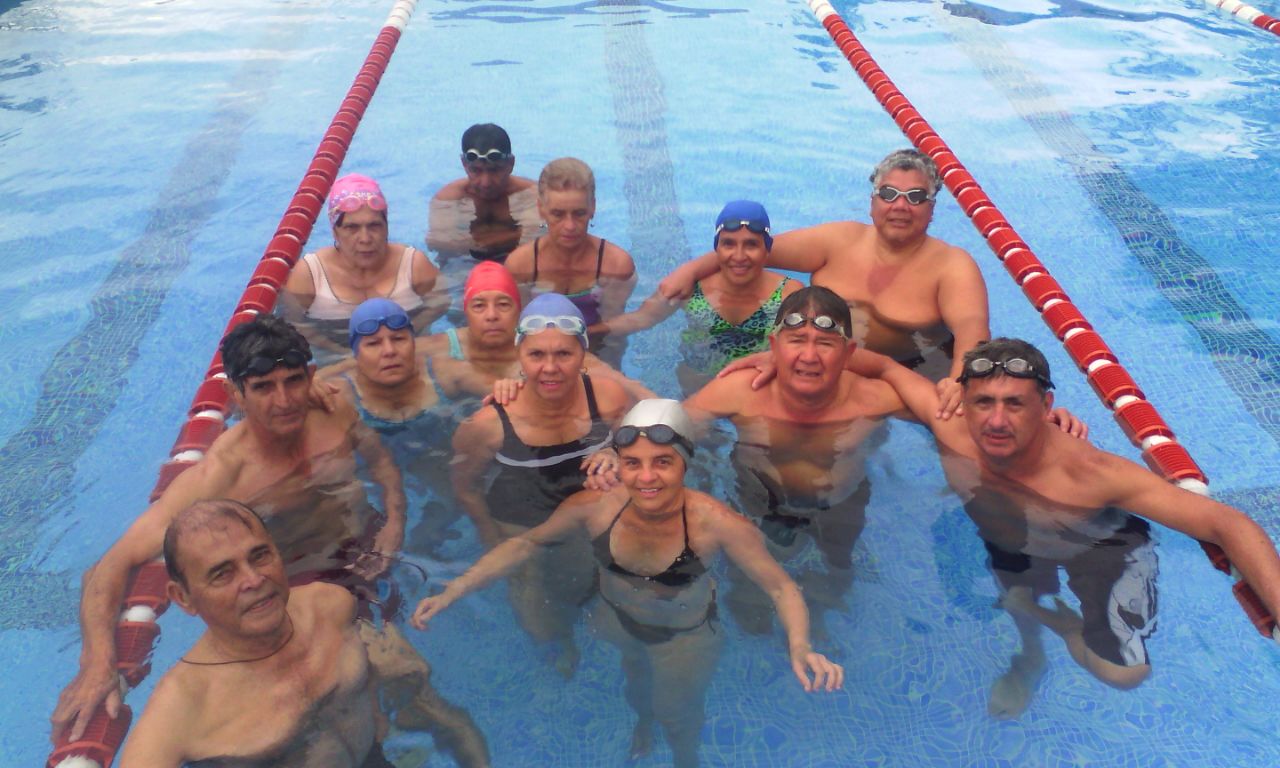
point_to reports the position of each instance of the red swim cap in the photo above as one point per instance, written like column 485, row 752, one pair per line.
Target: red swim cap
column 490, row 276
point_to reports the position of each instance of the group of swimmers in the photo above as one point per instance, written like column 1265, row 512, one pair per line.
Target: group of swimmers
column 576, row 478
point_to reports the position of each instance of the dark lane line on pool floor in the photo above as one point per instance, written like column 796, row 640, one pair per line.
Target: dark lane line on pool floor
column 84, row 379
column 1247, row 358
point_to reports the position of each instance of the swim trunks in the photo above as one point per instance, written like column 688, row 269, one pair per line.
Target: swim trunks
column 1115, row 580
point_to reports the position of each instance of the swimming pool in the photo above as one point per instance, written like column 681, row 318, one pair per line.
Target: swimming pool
column 150, row 148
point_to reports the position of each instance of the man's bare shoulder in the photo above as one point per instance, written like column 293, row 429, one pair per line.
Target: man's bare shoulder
column 516, row 184
column 453, row 191
column 725, row 395
column 328, row 602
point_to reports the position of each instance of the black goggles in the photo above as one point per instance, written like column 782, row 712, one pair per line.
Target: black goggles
column 751, row 226
column 1016, row 367
column 915, row 196
column 825, row 323
column 658, row 434
column 494, row 156
column 261, row 366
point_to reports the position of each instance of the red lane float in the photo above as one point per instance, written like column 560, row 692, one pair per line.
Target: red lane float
column 1115, row 387
column 145, row 598
column 1247, row 14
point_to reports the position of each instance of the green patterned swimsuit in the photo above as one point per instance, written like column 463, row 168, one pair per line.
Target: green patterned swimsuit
column 710, row 341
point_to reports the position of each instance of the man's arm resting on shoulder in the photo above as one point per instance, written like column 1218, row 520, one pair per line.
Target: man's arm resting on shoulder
column 103, row 589
column 1247, row 545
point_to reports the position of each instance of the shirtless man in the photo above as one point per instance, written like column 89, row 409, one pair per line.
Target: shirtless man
column 293, row 463
column 801, row 443
column 919, row 295
column 486, row 214
column 1042, row 500
column 280, row 677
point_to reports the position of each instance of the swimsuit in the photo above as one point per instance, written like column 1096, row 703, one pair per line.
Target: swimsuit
column 455, row 345
column 327, row 306
column 533, row 480
column 1114, row 578
column 686, row 569
column 710, row 341
column 588, row 301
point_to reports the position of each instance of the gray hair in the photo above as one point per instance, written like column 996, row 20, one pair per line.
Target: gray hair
column 908, row 160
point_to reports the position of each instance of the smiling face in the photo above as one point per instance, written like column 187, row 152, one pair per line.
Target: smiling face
column 1005, row 415
column 652, row 474
column 567, row 213
column 277, row 401
column 492, row 317
column 551, row 362
column 740, row 255
column 234, row 577
column 385, row 357
column 900, row 222
column 810, row 361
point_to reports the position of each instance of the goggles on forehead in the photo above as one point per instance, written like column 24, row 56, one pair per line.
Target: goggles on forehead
column 1018, row 368
column 539, row 323
column 351, row 201
column 751, row 226
column 262, row 365
column 824, row 323
column 494, row 156
column 658, row 434
column 915, row 196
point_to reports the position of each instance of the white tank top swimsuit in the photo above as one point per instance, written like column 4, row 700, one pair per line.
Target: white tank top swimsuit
column 327, row 306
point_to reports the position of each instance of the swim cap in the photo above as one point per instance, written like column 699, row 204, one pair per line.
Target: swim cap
column 351, row 193
column 552, row 310
column 744, row 213
column 489, row 276
column 655, row 412
column 371, row 314
column 483, row 137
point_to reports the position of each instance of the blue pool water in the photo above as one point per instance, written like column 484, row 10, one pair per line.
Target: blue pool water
column 149, row 149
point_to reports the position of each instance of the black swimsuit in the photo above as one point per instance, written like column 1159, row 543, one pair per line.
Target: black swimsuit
column 686, row 569
column 534, row 479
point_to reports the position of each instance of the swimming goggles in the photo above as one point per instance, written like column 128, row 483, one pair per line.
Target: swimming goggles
column 1018, row 368
column 262, row 365
column 352, row 200
column 825, row 323
column 915, row 196
column 658, row 434
column 393, row 322
column 494, row 156
column 539, row 323
column 752, row 226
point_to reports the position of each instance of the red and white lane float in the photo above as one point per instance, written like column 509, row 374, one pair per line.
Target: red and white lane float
column 1247, row 14
column 1113, row 384
column 137, row 630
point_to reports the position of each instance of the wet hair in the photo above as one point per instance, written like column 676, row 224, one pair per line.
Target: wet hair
column 567, row 173
column 908, row 160
column 267, row 336
column 201, row 516
column 1002, row 349
column 815, row 300
column 486, row 136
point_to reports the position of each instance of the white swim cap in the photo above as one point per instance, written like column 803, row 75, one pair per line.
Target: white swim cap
column 657, row 412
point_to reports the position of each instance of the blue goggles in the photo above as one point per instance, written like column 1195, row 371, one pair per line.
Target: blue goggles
column 369, row 326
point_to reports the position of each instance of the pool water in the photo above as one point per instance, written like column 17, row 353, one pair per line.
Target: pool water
column 150, row 147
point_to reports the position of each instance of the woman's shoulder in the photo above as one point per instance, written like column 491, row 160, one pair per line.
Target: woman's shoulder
column 617, row 262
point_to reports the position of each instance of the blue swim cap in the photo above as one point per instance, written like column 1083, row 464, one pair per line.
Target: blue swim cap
column 373, row 313
column 552, row 310
column 744, row 213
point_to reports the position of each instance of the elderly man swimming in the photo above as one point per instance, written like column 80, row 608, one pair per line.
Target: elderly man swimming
column 279, row 678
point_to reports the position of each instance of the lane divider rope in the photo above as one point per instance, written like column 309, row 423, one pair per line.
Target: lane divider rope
column 1247, row 14
column 1112, row 383
column 145, row 600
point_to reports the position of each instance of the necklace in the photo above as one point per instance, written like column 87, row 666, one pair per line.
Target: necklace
column 185, row 660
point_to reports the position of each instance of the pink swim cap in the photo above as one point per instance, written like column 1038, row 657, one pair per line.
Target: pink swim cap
column 490, row 276
column 351, row 193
